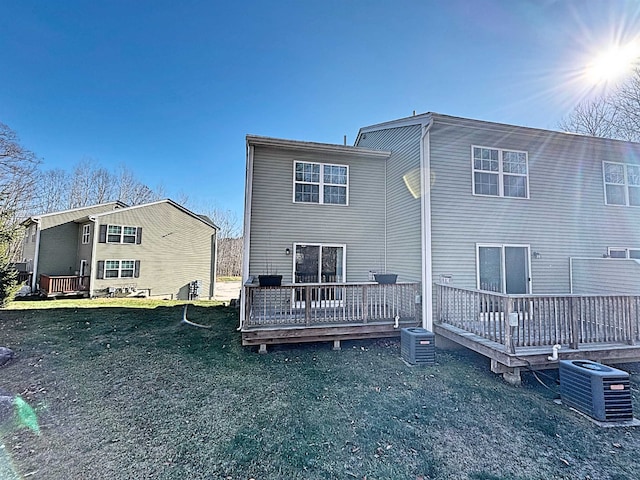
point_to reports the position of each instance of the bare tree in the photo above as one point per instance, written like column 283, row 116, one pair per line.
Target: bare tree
column 227, row 222
column 230, row 257
column 53, row 191
column 616, row 115
column 18, row 167
column 131, row 191
column 17, row 181
column 230, row 242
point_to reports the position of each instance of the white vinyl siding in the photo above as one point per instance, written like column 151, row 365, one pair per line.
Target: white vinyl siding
column 320, row 183
column 623, row 252
column 500, row 173
column 621, row 184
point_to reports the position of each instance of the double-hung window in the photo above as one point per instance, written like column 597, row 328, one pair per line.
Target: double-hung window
column 320, row 183
column 621, row 184
column 500, row 173
column 119, row 268
column 86, row 233
column 121, row 234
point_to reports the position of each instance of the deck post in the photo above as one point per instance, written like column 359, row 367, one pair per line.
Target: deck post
column 336, row 345
column 508, row 329
column 307, row 305
column 248, row 300
column 633, row 321
column 365, row 304
column 575, row 323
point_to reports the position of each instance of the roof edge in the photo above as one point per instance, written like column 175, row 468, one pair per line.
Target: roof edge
column 165, row 200
column 256, row 140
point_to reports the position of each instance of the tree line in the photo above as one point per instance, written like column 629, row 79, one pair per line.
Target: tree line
column 27, row 189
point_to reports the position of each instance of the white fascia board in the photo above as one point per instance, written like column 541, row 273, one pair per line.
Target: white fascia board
column 254, row 140
column 123, row 205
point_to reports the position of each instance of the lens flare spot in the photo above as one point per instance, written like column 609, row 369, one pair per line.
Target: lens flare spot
column 614, row 63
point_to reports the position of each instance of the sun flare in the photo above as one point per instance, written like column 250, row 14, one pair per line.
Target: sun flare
column 614, row 63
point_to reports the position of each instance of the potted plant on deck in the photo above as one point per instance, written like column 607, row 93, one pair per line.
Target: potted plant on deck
column 386, row 278
column 270, row 280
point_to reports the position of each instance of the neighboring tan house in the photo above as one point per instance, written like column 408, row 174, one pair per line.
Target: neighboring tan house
column 158, row 249
column 485, row 211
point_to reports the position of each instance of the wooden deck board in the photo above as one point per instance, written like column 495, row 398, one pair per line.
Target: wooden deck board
column 298, row 334
column 536, row 357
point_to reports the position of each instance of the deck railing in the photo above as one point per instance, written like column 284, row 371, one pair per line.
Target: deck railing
column 24, row 278
column 540, row 320
column 51, row 285
column 312, row 304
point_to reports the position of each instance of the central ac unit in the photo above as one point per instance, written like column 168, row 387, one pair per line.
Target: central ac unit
column 417, row 346
column 597, row 390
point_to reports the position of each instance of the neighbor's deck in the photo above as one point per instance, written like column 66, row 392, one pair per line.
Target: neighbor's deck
column 63, row 285
column 310, row 312
column 517, row 331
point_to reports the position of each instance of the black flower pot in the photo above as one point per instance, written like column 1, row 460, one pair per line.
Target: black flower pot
column 386, row 278
column 270, row 280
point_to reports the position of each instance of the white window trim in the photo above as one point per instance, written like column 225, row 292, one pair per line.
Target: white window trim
column 86, row 234
column 503, row 272
column 119, row 268
column 625, row 185
column 500, row 173
column 122, row 235
column 321, row 184
column 625, row 249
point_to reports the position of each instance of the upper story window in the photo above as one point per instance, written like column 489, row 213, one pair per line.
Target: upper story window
column 122, row 234
column 86, row 233
column 320, row 183
column 621, row 252
column 500, row 173
column 621, row 184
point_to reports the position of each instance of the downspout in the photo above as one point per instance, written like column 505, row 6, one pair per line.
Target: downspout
column 248, row 189
column 212, row 291
column 92, row 268
column 425, row 181
column 36, row 254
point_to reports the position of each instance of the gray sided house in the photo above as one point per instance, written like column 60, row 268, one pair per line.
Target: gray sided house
column 512, row 209
column 518, row 236
column 158, row 249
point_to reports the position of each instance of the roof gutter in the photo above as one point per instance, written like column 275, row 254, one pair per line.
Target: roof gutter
column 425, row 183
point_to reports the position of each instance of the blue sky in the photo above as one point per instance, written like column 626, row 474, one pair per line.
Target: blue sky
column 171, row 88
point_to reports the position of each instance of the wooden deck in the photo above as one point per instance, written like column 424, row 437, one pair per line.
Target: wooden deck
column 63, row 285
column 519, row 331
column 313, row 312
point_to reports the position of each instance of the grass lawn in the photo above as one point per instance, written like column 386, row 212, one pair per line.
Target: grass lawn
column 122, row 390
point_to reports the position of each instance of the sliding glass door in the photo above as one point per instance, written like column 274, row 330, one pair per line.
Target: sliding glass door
column 319, row 263
column 503, row 268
